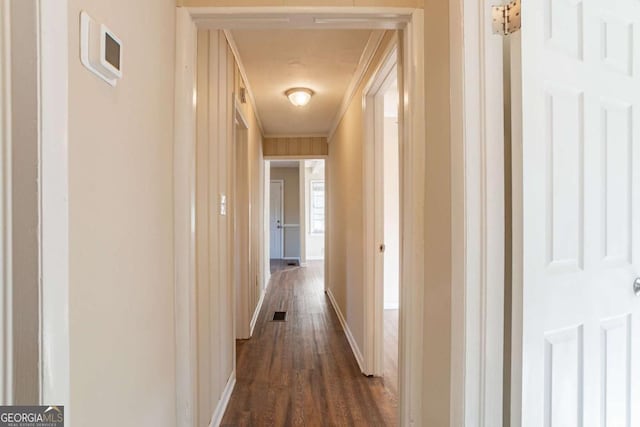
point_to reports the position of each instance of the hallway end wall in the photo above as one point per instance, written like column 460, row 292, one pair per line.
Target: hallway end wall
column 345, row 211
column 121, row 290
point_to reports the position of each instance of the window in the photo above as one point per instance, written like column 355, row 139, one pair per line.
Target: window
column 317, row 207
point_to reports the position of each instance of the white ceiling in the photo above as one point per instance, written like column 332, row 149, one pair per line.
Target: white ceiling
column 322, row 60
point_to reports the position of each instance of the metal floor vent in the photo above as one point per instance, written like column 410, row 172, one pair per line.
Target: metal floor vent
column 279, row 316
column 293, row 263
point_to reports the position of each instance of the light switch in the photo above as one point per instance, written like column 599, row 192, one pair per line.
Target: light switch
column 223, row 204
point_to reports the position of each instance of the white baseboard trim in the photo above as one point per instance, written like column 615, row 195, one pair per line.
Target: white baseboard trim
column 256, row 313
column 315, row 258
column 216, row 419
column 352, row 341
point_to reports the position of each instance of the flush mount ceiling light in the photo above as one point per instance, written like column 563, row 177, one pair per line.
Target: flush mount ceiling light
column 299, row 96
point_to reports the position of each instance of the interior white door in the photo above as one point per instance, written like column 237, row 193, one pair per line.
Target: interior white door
column 275, row 222
column 581, row 212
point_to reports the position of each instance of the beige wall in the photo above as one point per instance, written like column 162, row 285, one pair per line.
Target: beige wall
column 437, row 217
column 302, row 146
column 214, row 268
column 345, row 209
column 291, row 178
column 121, row 288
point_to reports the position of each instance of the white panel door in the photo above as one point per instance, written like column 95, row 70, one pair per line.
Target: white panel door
column 275, row 222
column 581, row 212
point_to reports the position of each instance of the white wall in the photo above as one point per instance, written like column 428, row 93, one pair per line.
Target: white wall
column 121, row 290
column 391, row 212
column 314, row 242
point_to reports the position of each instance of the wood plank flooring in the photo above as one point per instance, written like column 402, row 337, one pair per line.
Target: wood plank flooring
column 390, row 364
column 302, row 371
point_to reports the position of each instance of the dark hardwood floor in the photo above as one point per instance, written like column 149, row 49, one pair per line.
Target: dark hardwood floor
column 302, row 371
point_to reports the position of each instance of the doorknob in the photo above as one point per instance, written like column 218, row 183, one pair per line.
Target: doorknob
column 636, row 287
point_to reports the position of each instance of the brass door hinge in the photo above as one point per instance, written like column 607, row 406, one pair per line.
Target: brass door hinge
column 506, row 18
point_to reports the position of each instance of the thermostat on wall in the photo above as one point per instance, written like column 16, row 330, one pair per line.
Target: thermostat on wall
column 100, row 50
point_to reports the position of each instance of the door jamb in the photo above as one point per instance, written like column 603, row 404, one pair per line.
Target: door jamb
column 477, row 210
column 373, row 104
column 411, row 23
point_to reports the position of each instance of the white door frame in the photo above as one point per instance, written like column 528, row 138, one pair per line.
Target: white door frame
column 475, row 150
column 54, row 203
column 373, row 180
column 478, row 224
column 53, row 118
column 281, row 182
column 188, row 19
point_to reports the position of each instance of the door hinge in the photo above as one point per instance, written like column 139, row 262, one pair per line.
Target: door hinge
column 506, row 18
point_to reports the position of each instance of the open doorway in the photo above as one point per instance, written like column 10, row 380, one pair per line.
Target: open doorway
column 383, row 226
column 284, row 214
column 391, row 234
column 295, row 213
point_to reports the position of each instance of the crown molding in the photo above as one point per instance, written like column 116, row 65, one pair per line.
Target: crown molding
column 375, row 38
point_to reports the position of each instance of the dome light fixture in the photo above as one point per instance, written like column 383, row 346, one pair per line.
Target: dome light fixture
column 299, row 96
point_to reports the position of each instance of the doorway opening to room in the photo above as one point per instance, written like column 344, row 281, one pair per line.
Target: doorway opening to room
column 236, row 66
column 383, row 224
column 295, row 213
column 391, row 235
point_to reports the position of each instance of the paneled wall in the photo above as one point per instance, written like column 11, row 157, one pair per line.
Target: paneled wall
column 229, row 247
column 302, row 146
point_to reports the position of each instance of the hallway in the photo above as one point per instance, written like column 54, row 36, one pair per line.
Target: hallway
column 302, row 371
